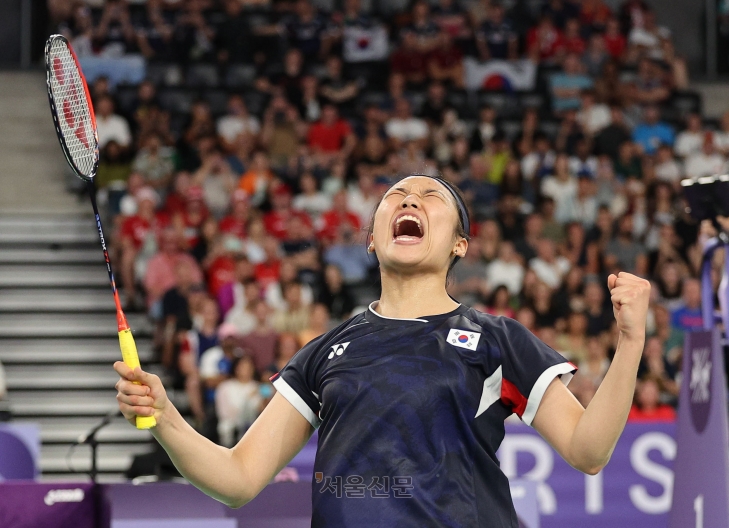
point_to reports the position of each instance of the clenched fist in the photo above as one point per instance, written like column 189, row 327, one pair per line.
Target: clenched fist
column 140, row 393
column 630, row 296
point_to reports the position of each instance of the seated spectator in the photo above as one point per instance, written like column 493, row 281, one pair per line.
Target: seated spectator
column 281, row 211
column 283, row 130
column 235, row 223
column 496, row 38
column 548, row 266
column 498, row 303
column 199, row 127
column 403, row 127
column 593, row 117
column 190, row 219
column 647, row 406
column 160, row 273
column 114, row 35
column 193, row 37
column 266, row 272
column 687, row 317
column 608, row 140
column 628, row 164
column 545, row 43
column 216, row 363
column 294, row 317
column 506, row 270
column 654, row 365
column 572, row 343
column 615, row 41
column 451, row 18
column 114, row 167
column 650, row 86
column 586, row 203
column 238, row 401
column 335, row 89
column 647, row 39
column 721, row 136
column 596, row 56
column 217, row 181
column 599, row 317
column 562, row 188
column 445, row 63
column 256, row 180
column 305, row 30
column 311, row 200
column 331, row 137
column 261, row 341
column 566, row 86
column 545, row 311
column 156, row 162
column 274, row 293
column 666, row 168
column 624, row 252
column 362, row 198
column 111, row 126
column 318, row 324
column 409, row 60
column 707, row 162
column 582, row 163
column 338, row 217
column 594, row 15
column 422, row 27
column 651, row 133
column 572, row 38
column 232, row 295
column 286, row 347
column 235, row 122
column 335, row 294
column 139, row 234
column 176, row 309
column 349, row 254
column 595, row 363
column 154, row 32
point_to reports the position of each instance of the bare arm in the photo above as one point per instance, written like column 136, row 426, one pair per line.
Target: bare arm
column 232, row 476
column 586, row 438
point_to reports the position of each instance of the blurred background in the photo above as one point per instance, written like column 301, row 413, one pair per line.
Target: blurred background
column 245, row 143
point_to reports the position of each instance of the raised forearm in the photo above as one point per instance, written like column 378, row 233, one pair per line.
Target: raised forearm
column 208, row 466
column 603, row 421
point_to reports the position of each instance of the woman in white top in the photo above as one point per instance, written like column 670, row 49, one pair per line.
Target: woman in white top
column 238, row 401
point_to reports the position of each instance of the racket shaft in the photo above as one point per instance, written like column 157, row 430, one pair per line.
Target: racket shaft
column 131, row 358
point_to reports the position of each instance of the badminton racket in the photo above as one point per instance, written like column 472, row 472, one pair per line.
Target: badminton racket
column 73, row 117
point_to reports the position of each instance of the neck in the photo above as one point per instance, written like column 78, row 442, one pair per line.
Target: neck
column 410, row 297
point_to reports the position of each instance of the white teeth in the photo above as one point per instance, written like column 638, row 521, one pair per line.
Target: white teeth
column 409, row 217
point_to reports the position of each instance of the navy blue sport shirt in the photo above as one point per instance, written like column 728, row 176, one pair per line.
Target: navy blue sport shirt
column 411, row 413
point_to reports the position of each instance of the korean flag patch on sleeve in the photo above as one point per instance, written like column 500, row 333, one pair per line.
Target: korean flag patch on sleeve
column 463, row 338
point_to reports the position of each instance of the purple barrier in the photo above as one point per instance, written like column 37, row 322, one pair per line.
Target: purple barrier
column 35, row 505
column 19, row 451
column 701, row 494
column 633, row 490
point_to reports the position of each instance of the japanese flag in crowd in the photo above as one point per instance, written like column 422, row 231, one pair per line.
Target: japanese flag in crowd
column 463, row 338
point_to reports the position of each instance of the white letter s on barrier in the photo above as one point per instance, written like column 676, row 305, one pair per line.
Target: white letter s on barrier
column 658, row 473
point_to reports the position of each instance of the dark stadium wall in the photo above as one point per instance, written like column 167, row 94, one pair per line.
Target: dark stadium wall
column 10, row 33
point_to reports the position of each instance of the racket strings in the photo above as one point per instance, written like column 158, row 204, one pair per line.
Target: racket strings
column 72, row 107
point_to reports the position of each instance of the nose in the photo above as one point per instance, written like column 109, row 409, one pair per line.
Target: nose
column 411, row 200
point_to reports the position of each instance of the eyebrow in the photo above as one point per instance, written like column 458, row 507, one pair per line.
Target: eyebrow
column 426, row 191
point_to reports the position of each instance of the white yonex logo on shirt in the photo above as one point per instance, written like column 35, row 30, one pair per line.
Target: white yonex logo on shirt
column 463, row 338
column 338, row 349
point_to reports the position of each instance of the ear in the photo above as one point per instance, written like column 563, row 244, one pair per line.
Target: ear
column 371, row 245
column 461, row 248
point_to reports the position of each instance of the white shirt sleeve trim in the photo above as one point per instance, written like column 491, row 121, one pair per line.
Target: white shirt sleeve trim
column 297, row 401
column 540, row 387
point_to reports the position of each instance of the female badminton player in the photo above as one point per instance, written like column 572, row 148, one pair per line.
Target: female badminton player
column 410, row 396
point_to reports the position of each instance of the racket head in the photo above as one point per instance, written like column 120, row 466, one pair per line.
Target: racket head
column 71, row 108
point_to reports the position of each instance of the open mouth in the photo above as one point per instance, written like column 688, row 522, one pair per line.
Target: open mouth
column 407, row 228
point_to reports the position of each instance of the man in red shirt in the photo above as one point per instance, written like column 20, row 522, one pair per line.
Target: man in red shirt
column 545, row 42
column 410, row 60
column 189, row 220
column 235, row 222
column 331, row 138
column 134, row 232
column 268, row 271
column 276, row 221
column 339, row 216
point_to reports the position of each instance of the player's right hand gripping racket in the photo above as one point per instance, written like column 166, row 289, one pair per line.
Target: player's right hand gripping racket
column 73, row 116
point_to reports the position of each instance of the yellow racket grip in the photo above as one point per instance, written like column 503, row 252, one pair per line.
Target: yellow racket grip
column 131, row 358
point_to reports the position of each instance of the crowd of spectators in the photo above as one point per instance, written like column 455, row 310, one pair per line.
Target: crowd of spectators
column 239, row 220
